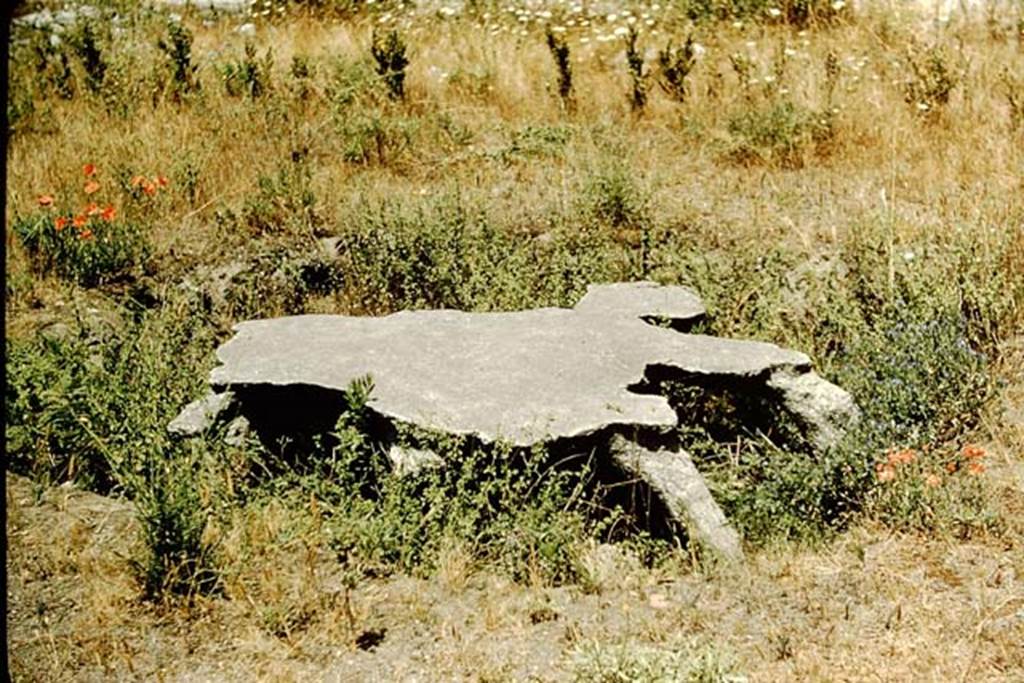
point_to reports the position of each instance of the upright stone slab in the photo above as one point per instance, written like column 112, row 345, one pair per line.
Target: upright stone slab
column 674, row 478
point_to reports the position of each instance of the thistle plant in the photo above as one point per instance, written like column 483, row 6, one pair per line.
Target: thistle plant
column 86, row 46
column 637, row 74
column 389, row 52
column 560, row 52
column 675, row 65
column 178, row 49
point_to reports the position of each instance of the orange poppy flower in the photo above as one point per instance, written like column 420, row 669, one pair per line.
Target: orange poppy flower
column 974, row 467
column 60, row 223
column 885, row 472
column 137, row 180
column 45, row 200
column 972, row 452
column 92, row 210
column 162, row 181
column 85, row 234
column 89, row 170
column 952, row 467
column 109, row 213
column 902, row 457
column 91, row 187
column 149, row 188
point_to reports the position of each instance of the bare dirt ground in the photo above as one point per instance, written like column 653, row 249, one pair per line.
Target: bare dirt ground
column 872, row 606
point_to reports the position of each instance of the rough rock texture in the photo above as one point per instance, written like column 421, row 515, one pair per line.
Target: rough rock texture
column 202, row 414
column 521, row 377
column 823, row 409
column 675, row 480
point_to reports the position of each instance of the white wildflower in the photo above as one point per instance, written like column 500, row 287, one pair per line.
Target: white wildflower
column 774, row 12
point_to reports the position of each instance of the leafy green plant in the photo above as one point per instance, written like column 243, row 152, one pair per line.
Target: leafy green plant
column 389, row 53
column 284, row 201
column 612, row 195
column 179, row 558
column 83, row 402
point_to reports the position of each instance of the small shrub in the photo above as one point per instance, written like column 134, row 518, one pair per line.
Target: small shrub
column 675, row 65
column 560, row 53
column 778, row 133
column 637, row 74
column 612, row 195
column 179, row 559
column 302, row 73
column 284, row 201
column 251, row 76
column 932, row 80
column 389, row 53
column 373, row 138
column 178, row 51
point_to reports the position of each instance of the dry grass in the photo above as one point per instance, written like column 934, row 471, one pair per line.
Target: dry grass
column 871, row 605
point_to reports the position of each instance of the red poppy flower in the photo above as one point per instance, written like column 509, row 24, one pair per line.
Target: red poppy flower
column 162, row 181
column 92, row 210
column 149, row 188
column 60, row 223
column 91, row 187
column 109, row 213
column 80, row 220
column 45, row 200
column 85, row 234
column 89, row 170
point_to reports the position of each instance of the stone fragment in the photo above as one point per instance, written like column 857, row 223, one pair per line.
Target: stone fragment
column 407, row 461
column 675, row 480
column 825, row 411
column 202, row 414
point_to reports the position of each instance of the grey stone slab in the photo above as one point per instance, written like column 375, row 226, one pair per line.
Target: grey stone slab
column 675, row 480
column 522, row 377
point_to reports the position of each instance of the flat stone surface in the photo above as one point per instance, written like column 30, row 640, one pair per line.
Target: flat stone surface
column 521, row 377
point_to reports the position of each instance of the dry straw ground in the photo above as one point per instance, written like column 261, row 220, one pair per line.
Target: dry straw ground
column 838, row 185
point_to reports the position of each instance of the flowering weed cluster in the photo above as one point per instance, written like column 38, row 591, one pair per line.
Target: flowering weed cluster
column 91, row 245
column 931, row 489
